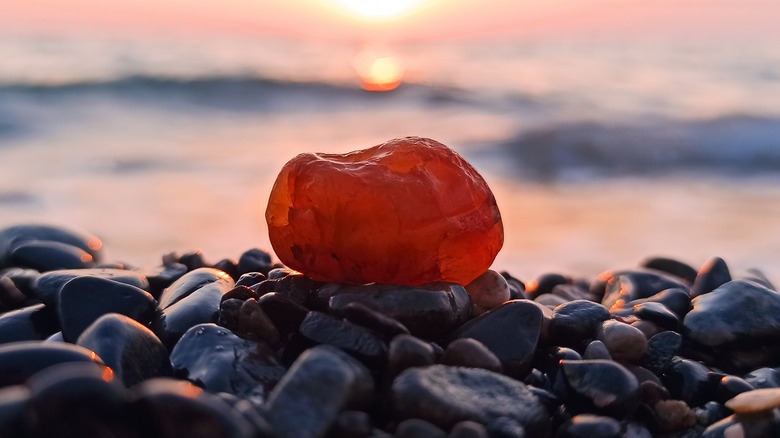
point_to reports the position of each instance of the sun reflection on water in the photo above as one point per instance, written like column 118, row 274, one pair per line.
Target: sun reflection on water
column 378, row 71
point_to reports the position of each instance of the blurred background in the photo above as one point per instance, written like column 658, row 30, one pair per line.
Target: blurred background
column 609, row 130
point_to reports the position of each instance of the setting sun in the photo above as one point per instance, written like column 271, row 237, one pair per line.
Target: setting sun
column 379, row 9
column 378, row 70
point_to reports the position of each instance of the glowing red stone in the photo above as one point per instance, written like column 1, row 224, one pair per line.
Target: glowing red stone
column 408, row 211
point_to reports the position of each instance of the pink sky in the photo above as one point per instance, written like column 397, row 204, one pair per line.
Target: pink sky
column 439, row 19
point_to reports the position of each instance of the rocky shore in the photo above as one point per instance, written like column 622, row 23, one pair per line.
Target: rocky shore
column 249, row 348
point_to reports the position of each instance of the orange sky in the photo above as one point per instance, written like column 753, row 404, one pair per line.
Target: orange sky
column 435, row 19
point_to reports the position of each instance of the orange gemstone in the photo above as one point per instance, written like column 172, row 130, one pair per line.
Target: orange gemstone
column 408, row 211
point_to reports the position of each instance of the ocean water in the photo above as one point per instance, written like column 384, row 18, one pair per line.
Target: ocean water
column 600, row 153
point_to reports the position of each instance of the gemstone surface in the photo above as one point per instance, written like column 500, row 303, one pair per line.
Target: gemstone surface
column 408, row 211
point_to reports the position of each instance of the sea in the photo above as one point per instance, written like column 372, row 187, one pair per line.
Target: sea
column 601, row 153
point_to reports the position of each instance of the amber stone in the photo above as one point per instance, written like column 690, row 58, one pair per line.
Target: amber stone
column 408, row 211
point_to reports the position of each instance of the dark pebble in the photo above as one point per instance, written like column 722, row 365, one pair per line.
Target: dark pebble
column 675, row 299
column 661, row 349
column 13, row 237
column 286, row 314
column 624, row 342
column 322, row 382
column 219, row 361
column 406, row 351
column 351, row 424
column 129, row 348
column 229, row 267
column 731, row 386
column 470, row 353
column 510, row 331
column 162, row 276
column 250, row 279
column 600, row 387
column 596, row 350
column 689, row 381
column 49, row 256
column 83, row 300
column 296, row 286
column 193, row 281
column 764, row 378
column 658, row 314
column 575, row 321
column 193, row 260
column 447, row 395
column 713, row 274
column 505, row 427
column 253, row 323
column 468, row 429
column 14, row 402
column 47, row 286
column 254, row 260
column 32, row 323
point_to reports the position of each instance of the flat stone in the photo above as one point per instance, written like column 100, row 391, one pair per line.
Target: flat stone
column 192, row 281
column 49, row 256
column 360, row 342
column 447, row 395
column 575, row 321
column 626, row 286
column 468, row 352
column 755, row 402
column 219, row 361
column 31, row 323
column 12, row 237
column 671, row 266
column 429, row 311
column 20, row 360
column 510, row 331
column 322, row 382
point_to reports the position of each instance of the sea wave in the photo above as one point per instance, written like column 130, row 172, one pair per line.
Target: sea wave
column 726, row 146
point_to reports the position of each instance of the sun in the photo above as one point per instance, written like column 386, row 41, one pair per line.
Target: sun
column 379, row 9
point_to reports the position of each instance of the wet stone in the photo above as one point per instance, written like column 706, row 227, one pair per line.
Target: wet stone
column 322, row 382
column 624, row 342
column 429, row 311
column 737, row 312
column 447, row 395
column 322, row 328
column 406, row 351
column 219, row 361
column 713, row 274
column 47, row 286
column 470, row 353
column 20, row 360
column 601, row 387
column 194, row 281
column 575, row 321
column 488, row 291
column 14, row 236
column 671, row 266
column 83, row 300
column 628, row 286
column 661, row 349
column 590, row 426
column 129, row 348
column 174, row 408
column 31, row 323
column 241, row 293
column 228, row 313
column 250, row 279
column 510, row 331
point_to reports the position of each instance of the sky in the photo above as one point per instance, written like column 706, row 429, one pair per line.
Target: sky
column 424, row 19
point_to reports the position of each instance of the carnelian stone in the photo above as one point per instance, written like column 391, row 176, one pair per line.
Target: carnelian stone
column 409, row 211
